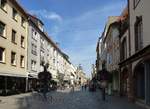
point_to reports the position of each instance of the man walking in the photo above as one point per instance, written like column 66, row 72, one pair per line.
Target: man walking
column 44, row 79
column 103, row 78
column 85, row 86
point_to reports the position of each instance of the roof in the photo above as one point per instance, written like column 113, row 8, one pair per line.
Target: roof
column 111, row 19
column 36, row 19
column 124, row 14
column 115, row 22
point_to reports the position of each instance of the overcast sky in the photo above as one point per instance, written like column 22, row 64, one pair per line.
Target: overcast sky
column 75, row 24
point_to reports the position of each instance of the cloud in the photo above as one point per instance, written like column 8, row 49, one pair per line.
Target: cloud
column 81, row 33
column 78, row 35
column 47, row 14
column 82, row 54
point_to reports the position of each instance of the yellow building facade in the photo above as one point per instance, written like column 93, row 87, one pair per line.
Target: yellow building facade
column 13, row 45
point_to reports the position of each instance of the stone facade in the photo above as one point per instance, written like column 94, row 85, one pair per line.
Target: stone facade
column 24, row 46
column 13, row 43
column 136, row 61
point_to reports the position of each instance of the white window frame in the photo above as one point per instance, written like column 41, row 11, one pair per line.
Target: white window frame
column 14, row 14
column 23, row 22
column 135, row 3
column 15, row 33
column 33, row 65
column 3, row 55
column 4, row 7
column 4, row 30
column 22, row 43
column 34, row 49
column 14, row 61
column 22, row 61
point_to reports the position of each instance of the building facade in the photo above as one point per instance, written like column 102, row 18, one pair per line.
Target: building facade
column 13, row 47
column 81, row 76
column 108, row 53
column 138, row 64
column 124, row 51
column 24, row 47
column 37, row 50
column 113, row 55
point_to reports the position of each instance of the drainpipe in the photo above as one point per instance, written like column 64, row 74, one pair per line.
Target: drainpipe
column 129, row 28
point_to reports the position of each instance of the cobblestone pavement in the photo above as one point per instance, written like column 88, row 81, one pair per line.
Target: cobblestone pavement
column 65, row 100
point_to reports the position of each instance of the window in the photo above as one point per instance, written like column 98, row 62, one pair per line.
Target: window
column 33, row 65
column 109, row 58
column 13, row 58
column 34, row 34
column 2, row 29
column 22, row 22
column 53, row 61
column 42, row 42
column 13, row 36
column 42, row 56
column 22, row 42
column 34, row 49
column 2, row 54
column 124, row 49
column 135, row 3
column 14, row 14
column 138, row 34
column 3, row 4
column 22, row 61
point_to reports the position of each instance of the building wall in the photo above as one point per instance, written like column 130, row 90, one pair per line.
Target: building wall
column 125, row 36
column 31, row 56
column 142, row 9
column 6, row 18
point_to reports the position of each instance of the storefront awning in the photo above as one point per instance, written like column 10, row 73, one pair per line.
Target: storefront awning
column 32, row 76
column 55, row 79
column 13, row 75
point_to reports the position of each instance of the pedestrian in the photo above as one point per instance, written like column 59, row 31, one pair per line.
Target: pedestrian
column 85, row 86
column 104, row 77
column 72, row 88
column 82, row 87
column 44, row 79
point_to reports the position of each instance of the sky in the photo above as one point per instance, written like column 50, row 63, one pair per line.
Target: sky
column 75, row 24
